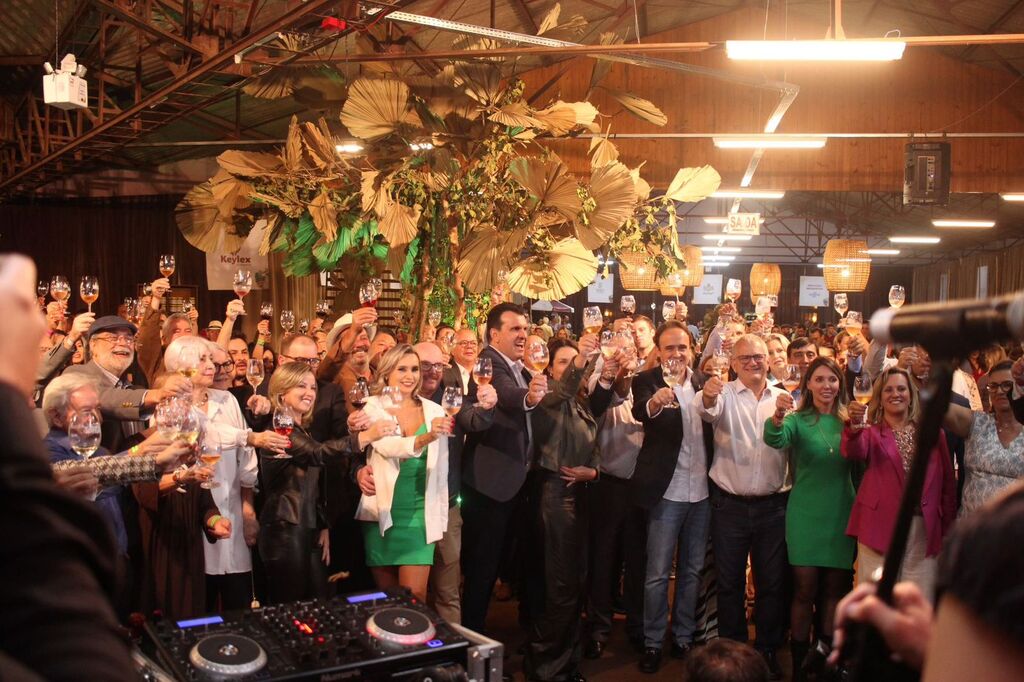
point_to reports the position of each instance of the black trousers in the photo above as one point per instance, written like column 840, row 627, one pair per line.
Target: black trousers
column 228, row 592
column 485, row 521
column 291, row 560
column 618, row 534
column 756, row 527
column 555, row 559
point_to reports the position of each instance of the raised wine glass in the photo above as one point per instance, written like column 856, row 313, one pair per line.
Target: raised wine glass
column 841, row 303
column 446, row 341
column 287, row 320
column 391, row 401
column 304, row 326
column 483, row 372
column 323, row 309
column 733, row 288
column 254, row 373
column 168, row 416
column 266, row 310
column 60, row 290
column 862, row 388
column 358, row 394
column 434, row 318
column 242, row 283
column 608, row 344
column 189, row 358
column 368, row 295
column 167, row 265
column 42, row 288
column 592, row 320
column 668, row 310
column 627, row 304
column 188, row 305
column 451, row 401
column 897, row 296
column 672, row 370
column 84, row 432
column 89, row 290
column 283, row 424
column 536, row 356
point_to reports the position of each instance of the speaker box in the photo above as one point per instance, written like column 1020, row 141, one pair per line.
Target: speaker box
column 926, row 174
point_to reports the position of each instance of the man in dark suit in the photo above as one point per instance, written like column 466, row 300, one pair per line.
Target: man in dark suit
column 125, row 399
column 496, row 460
column 671, row 483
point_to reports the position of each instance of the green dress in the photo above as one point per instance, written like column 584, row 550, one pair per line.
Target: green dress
column 822, row 496
column 405, row 542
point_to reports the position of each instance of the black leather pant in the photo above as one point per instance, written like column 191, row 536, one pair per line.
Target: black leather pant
column 555, row 576
column 291, row 558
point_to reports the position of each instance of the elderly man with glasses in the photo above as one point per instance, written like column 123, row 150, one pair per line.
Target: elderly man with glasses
column 125, row 399
column 465, row 351
column 750, row 487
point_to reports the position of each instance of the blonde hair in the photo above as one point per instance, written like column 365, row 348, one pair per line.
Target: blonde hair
column 285, row 378
column 875, row 410
column 387, row 364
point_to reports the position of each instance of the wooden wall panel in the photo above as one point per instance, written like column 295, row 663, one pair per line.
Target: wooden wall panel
column 1005, row 275
column 924, row 92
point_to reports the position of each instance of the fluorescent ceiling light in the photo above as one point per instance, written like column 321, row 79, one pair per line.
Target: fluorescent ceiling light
column 349, row 148
column 723, row 249
column 719, row 258
column 816, row 50
column 749, row 194
column 883, row 252
column 728, row 237
column 956, row 222
column 723, row 221
column 914, row 240
column 1014, row 196
column 769, row 142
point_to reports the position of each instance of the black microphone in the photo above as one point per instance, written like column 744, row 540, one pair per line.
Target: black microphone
column 953, row 328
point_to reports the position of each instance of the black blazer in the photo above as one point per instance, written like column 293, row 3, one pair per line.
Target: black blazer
column 495, row 461
column 292, row 484
column 470, row 419
column 663, row 435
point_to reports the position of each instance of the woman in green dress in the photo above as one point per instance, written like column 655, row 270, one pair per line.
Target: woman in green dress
column 408, row 511
column 819, row 504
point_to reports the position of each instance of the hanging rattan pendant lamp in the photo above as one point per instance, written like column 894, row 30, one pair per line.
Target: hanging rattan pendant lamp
column 847, row 265
column 635, row 273
column 765, row 280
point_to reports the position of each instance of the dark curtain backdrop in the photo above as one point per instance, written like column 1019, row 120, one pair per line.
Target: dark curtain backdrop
column 874, row 297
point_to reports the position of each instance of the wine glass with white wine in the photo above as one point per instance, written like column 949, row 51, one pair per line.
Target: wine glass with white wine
column 897, row 296
column 89, row 290
column 862, row 389
column 451, row 401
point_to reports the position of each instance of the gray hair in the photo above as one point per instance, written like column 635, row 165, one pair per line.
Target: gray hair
column 171, row 355
column 57, row 397
column 165, row 331
column 783, row 341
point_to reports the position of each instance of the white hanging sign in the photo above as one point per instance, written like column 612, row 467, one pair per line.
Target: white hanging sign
column 813, row 292
column 744, row 223
column 709, row 291
column 602, row 289
column 221, row 266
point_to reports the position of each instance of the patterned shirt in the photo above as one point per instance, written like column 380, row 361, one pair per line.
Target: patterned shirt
column 988, row 466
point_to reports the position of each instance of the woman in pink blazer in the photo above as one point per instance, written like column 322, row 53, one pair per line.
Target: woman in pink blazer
column 887, row 444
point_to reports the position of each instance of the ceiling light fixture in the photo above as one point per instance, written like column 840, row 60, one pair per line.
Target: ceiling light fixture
column 723, row 221
column 883, row 252
column 1013, row 196
column 972, row 224
column 349, row 148
column 915, row 240
column 728, row 237
column 815, row 50
column 769, row 142
column 719, row 258
column 723, row 249
column 748, row 194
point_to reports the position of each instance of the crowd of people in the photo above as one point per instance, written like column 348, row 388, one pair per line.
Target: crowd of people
column 748, row 467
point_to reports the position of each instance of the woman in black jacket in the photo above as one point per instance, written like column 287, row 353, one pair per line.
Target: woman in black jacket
column 293, row 539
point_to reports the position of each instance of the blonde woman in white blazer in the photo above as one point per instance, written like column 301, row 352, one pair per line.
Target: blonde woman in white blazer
column 408, row 511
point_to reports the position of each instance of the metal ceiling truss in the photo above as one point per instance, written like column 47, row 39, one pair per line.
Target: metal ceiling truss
column 49, row 143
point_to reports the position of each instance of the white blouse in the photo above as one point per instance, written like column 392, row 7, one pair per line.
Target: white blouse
column 385, row 459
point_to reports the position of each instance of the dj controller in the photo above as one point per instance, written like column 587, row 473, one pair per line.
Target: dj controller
column 387, row 635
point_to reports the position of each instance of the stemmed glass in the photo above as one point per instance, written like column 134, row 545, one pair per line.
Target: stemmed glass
column 368, row 294
column 242, row 283
column 85, row 432
column 304, row 326
column 791, row 382
column 167, row 265
column 391, row 401
column 42, row 289
column 89, row 290
column 189, row 358
column 266, row 310
column 627, row 343
column 210, row 456
column 668, row 310
column 323, row 309
column 451, row 401
column 608, row 344
column 537, row 356
column 483, row 371
column 434, row 317
column 168, row 418
column 862, row 393
column 60, row 289
column 672, row 370
column 841, row 303
column 254, row 373
column 733, row 288
column 358, row 394
column 627, row 304
column 283, row 424
column 897, row 296
column 287, row 320
column 188, row 306
column 446, row 341
column 592, row 320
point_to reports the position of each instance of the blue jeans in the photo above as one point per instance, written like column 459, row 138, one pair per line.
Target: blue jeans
column 681, row 529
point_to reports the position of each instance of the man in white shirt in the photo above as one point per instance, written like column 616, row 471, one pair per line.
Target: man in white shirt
column 748, row 499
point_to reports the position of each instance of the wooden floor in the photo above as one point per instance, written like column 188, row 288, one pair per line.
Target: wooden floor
column 619, row 663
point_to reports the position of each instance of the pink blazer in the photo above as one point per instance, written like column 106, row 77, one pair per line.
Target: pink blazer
column 878, row 499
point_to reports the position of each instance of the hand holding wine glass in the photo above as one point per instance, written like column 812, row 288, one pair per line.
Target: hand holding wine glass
column 210, row 456
column 483, row 372
column 592, row 320
column 672, row 371
column 451, row 401
column 627, row 304
column 85, row 432
column 89, row 290
column 242, row 283
column 287, row 321
column 668, row 310
column 254, row 373
column 166, row 265
column 283, row 424
column 434, row 318
column 733, row 288
column 537, row 357
column 862, row 390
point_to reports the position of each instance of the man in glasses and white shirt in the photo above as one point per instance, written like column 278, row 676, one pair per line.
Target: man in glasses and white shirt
column 750, row 487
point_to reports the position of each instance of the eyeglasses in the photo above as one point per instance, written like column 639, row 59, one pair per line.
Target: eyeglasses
column 1002, row 386
column 466, row 344
column 431, row 367
column 312, row 362
column 223, row 366
column 751, row 359
column 114, row 339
